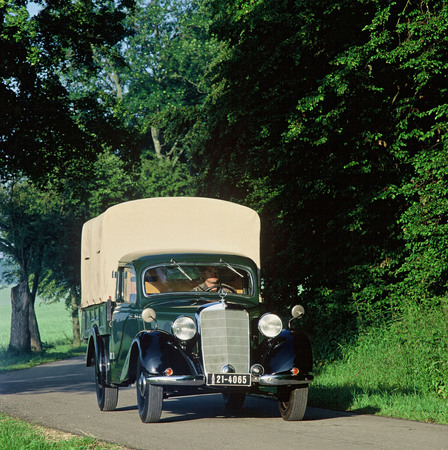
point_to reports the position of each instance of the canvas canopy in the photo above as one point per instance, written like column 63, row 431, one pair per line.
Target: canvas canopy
column 159, row 226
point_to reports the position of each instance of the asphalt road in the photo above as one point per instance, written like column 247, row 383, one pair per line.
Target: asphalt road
column 61, row 395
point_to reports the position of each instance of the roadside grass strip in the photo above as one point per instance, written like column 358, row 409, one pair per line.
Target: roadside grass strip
column 16, row 434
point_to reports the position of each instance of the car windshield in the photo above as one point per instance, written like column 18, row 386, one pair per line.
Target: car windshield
column 178, row 277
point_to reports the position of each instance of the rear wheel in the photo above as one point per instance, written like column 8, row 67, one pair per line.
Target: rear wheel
column 149, row 398
column 234, row 400
column 106, row 396
column 292, row 403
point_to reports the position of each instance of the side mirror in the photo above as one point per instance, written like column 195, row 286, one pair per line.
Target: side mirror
column 297, row 311
column 149, row 315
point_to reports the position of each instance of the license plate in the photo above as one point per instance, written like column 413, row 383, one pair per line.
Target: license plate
column 228, row 379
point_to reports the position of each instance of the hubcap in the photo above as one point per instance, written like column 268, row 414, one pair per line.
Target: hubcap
column 142, row 384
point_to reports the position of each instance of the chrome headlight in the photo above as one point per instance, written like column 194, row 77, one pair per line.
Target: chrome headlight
column 270, row 325
column 184, row 328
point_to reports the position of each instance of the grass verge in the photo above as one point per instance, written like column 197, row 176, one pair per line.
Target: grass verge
column 334, row 393
column 397, row 369
column 17, row 434
column 52, row 352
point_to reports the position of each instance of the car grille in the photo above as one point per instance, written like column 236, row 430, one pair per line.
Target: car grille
column 224, row 339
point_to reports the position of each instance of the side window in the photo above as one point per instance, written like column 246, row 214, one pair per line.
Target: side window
column 129, row 285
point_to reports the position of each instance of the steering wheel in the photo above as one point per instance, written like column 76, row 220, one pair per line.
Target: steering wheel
column 220, row 287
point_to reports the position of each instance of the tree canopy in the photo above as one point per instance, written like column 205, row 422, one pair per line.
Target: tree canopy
column 44, row 129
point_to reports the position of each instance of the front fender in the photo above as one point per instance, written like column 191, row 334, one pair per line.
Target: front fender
column 289, row 349
column 158, row 351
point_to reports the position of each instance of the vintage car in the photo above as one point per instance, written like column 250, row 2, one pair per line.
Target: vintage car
column 171, row 303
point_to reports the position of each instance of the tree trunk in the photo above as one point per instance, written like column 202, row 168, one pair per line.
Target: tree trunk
column 155, row 134
column 75, row 319
column 19, row 341
column 36, row 343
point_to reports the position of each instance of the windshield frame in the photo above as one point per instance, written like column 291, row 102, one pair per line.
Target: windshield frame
column 185, row 265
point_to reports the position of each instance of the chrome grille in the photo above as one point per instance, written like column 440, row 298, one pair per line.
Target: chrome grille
column 224, row 339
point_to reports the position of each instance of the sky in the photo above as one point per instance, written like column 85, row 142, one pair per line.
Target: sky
column 33, row 8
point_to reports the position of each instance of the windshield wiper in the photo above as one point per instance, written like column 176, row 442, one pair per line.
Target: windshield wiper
column 181, row 270
column 230, row 267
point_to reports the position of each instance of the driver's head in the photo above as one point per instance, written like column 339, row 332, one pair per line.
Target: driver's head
column 210, row 275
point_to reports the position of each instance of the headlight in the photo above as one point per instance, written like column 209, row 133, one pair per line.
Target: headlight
column 184, row 328
column 270, row 325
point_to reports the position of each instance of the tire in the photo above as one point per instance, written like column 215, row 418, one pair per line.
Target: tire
column 233, row 400
column 106, row 396
column 292, row 403
column 149, row 399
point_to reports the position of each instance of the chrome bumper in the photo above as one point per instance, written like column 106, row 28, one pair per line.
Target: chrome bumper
column 284, row 379
column 180, row 380
column 199, row 380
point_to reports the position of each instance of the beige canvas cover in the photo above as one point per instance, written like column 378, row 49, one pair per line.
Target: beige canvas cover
column 158, row 226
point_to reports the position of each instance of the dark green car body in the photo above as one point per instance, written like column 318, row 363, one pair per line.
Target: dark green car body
column 120, row 341
column 186, row 322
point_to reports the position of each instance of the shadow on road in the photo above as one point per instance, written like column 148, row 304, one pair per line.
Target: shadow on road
column 206, row 406
column 212, row 405
column 71, row 376
column 342, row 397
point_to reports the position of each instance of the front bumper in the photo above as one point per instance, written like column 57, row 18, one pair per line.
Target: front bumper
column 179, row 380
column 283, row 380
column 199, row 380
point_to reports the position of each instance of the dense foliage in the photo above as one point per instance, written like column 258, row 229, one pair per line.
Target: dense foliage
column 330, row 118
column 44, row 130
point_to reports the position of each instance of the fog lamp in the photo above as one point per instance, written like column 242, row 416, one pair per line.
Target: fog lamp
column 257, row 370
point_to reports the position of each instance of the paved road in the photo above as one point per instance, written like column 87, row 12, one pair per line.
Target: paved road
column 61, row 395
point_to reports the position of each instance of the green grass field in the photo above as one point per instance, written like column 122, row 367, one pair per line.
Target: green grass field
column 55, row 328
column 54, row 320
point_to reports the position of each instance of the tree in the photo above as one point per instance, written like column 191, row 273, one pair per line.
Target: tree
column 44, row 131
column 166, row 58
column 153, row 80
column 47, row 133
column 27, row 234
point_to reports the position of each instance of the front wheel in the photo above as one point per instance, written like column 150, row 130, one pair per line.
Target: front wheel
column 106, row 396
column 149, row 399
column 292, row 403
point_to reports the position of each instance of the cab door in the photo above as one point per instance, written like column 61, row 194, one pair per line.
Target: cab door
column 127, row 321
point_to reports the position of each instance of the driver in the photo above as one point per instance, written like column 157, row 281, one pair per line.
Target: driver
column 211, row 283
